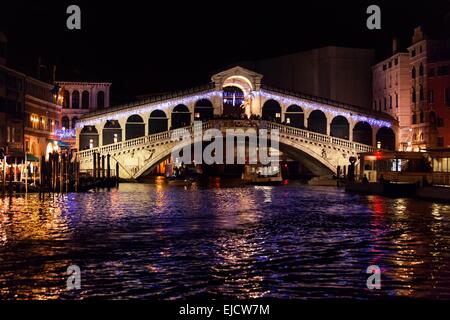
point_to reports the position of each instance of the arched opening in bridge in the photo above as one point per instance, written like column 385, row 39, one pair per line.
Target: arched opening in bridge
column 88, row 137
column 339, row 127
column 134, row 127
column 181, row 117
column 362, row 133
column 271, row 111
column 386, row 138
column 295, row 117
column 317, row 122
column 233, row 102
column 112, row 132
column 203, row 110
column 157, row 122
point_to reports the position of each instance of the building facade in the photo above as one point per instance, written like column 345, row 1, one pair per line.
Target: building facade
column 80, row 98
column 391, row 91
column 419, row 79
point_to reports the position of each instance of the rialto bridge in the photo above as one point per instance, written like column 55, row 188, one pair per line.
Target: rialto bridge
column 318, row 133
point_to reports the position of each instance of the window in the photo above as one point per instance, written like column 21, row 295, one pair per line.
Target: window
column 431, row 72
column 413, row 72
column 66, row 103
column 75, row 100
column 396, row 61
column 413, row 95
column 74, row 122
column 385, row 104
column 390, row 64
column 420, row 70
column 100, row 100
column 396, row 100
column 85, row 100
column 413, row 52
column 431, row 96
column 414, row 118
column 421, row 95
column 390, row 102
column 65, row 122
column 384, row 67
column 421, row 117
column 379, row 105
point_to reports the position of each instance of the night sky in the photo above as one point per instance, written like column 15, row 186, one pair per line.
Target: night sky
column 171, row 45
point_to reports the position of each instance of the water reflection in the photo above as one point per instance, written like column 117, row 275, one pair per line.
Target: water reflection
column 158, row 241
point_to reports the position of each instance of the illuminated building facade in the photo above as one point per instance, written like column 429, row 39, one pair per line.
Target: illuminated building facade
column 80, row 98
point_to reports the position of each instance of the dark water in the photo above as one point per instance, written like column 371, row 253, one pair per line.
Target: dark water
column 159, row 241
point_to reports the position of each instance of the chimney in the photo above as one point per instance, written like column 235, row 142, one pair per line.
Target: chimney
column 394, row 45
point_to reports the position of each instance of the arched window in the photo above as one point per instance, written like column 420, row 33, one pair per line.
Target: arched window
column 181, row 117
column 362, row 133
column 317, row 122
column 294, row 116
column 413, row 94
column 413, row 72
column 66, row 102
column 414, row 118
column 421, row 95
column 157, row 122
column 390, row 102
column 339, row 127
column 85, row 100
column 421, row 70
column 386, row 137
column 134, row 127
column 100, row 100
column 112, row 132
column 203, row 110
column 75, row 100
column 65, row 122
column 271, row 111
column 74, row 122
column 421, row 117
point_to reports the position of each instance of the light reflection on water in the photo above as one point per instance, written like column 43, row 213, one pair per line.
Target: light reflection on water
column 158, row 241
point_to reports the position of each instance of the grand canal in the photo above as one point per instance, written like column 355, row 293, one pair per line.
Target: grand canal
column 162, row 241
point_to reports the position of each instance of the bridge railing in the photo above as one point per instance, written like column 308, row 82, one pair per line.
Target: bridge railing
column 318, row 137
column 177, row 133
column 141, row 141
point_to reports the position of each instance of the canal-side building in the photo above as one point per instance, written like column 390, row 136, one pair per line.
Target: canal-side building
column 391, row 92
column 80, row 98
column 419, row 79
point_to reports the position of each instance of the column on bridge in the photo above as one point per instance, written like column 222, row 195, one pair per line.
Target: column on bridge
column 123, row 126
column 351, row 125
column 146, row 117
column 217, row 101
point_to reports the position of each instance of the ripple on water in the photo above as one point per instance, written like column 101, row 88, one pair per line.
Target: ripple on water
column 147, row 241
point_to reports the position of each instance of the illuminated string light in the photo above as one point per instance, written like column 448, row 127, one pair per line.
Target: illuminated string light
column 148, row 107
column 170, row 103
column 66, row 133
column 312, row 105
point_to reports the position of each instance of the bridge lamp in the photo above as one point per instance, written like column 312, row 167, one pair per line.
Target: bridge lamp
column 91, row 143
column 288, row 120
column 277, row 115
column 378, row 144
column 115, row 137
